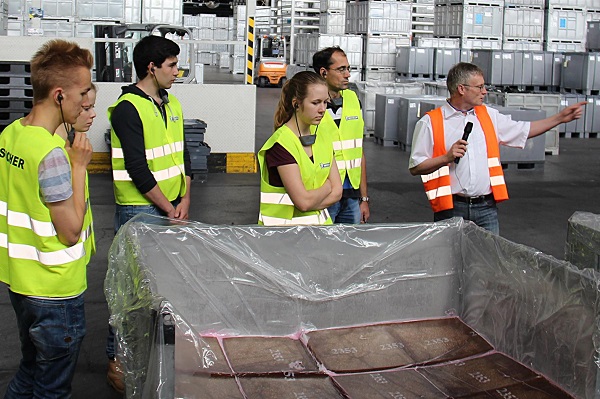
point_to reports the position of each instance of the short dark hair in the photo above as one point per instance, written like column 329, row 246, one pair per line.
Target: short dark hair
column 154, row 49
column 53, row 65
column 460, row 73
column 322, row 58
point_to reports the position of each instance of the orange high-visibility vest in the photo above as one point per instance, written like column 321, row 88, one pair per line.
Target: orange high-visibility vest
column 437, row 184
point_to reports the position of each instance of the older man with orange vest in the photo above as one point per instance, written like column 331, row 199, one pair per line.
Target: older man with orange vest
column 464, row 178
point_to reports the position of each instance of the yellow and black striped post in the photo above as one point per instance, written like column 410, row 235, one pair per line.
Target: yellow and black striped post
column 250, row 52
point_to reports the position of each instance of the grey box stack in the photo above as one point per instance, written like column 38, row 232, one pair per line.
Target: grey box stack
column 523, row 25
column 574, row 128
column 443, row 60
column 414, row 62
column 16, row 94
column 497, row 65
column 565, row 25
column 581, row 73
column 592, row 117
column 477, row 23
column 386, row 119
column 194, row 130
column 583, row 240
column 592, row 41
column 533, row 153
column 546, row 101
column 409, row 112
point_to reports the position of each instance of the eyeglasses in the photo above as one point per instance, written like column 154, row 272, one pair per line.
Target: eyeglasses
column 342, row 69
column 480, row 87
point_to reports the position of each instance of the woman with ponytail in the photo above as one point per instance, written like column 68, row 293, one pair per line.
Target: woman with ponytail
column 299, row 176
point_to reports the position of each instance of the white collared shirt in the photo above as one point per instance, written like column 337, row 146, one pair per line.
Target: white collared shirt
column 471, row 177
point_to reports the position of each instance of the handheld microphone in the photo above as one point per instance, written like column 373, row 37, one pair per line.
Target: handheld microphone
column 465, row 136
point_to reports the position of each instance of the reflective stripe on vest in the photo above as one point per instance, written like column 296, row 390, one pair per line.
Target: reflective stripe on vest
column 439, row 191
column 347, row 139
column 309, row 220
column 276, row 198
column 161, row 175
column 437, row 186
column 350, row 164
column 29, row 252
column 347, row 144
column 153, row 153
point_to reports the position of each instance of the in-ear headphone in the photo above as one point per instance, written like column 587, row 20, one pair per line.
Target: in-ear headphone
column 59, row 97
column 296, row 105
column 152, row 69
column 324, row 74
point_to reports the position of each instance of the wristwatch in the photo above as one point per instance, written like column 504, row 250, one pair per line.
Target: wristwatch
column 364, row 199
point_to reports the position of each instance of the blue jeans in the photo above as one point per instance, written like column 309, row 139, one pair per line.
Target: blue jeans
column 51, row 332
column 123, row 214
column 346, row 210
column 483, row 214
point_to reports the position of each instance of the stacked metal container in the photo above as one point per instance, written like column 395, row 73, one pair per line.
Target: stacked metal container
column 446, row 53
column 3, row 17
column 63, row 18
column 422, row 19
column 16, row 94
column 581, row 73
column 523, row 27
column 384, row 25
column 477, row 23
column 212, row 28
column 520, row 70
column 592, row 117
column 367, row 91
column 409, row 112
column 592, row 42
column 533, row 154
column 415, row 62
column 551, row 103
column 293, row 17
column 565, row 27
column 396, row 116
column 133, row 11
column 238, row 52
column 575, row 128
column 309, row 43
column 589, row 125
column 581, row 82
column 332, row 19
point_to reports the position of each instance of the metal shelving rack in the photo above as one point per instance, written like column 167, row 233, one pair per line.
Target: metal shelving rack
column 292, row 17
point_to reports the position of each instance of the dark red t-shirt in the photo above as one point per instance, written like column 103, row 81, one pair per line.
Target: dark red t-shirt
column 277, row 156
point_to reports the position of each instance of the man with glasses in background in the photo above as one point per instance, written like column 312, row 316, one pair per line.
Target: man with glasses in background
column 456, row 151
column 343, row 123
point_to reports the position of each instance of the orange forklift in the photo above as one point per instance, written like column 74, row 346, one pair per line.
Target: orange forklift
column 272, row 63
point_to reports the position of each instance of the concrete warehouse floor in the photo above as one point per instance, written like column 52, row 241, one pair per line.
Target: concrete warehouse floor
column 541, row 201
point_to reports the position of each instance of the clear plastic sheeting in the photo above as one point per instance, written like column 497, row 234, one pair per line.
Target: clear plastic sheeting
column 583, row 240
column 188, row 282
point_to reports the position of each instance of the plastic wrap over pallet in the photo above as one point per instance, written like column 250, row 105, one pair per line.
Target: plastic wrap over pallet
column 583, row 240
column 170, row 280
